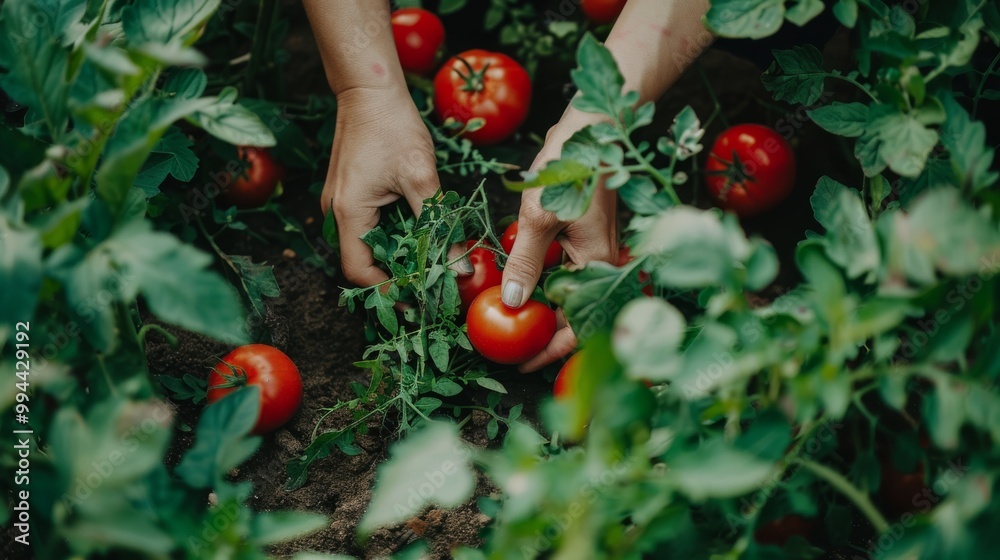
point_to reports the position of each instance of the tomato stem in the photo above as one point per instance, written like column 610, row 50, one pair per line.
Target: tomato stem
column 850, row 491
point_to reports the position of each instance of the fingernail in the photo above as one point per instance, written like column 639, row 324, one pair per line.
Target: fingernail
column 512, row 294
column 464, row 266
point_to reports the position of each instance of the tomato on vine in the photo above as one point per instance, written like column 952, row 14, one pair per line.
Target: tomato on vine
column 565, row 384
column 486, row 85
column 553, row 256
column 505, row 335
column 255, row 185
column 486, row 274
column 750, row 168
column 419, row 36
column 602, row 11
column 269, row 369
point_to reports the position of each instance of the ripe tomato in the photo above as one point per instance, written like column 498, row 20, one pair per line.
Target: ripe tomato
column 751, row 168
column 419, row 35
column 486, row 274
column 602, row 11
column 778, row 531
column 269, row 369
column 624, row 257
column 505, row 335
column 565, row 384
column 257, row 182
column 553, row 256
column 487, row 85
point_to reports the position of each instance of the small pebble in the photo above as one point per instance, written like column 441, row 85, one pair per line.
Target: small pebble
column 288, row 254
column 310, row 220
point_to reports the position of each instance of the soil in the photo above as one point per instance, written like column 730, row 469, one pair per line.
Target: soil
column 324, row 339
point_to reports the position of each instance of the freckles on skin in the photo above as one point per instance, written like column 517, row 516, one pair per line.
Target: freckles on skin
column 378, row 69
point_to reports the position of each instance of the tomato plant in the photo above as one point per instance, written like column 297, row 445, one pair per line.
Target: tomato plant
column 254, row 186
column 505, row 335
column 486, row 274
column 490, row 86
column 553, row 256
column 750, row 168
column 602, row 11
column 419, row 36
column 267, row 368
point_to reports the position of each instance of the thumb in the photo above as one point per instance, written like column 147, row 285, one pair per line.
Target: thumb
column 524, row 265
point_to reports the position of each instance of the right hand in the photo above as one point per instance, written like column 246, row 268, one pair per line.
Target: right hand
column 381, row 152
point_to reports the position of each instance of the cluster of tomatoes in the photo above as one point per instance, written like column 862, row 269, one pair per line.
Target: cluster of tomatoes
column 475, row 84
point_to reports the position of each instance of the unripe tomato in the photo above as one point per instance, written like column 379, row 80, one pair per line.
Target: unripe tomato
column 487, row 85
column 505, row 335
column 419, row 35
column 256, row 184
column 566, row 379
column 269, row 369
column 751, row 168
column 553, row 256
column 486, row 274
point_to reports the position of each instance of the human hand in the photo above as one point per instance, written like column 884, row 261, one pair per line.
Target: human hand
column 593, row 237
column 381, row 152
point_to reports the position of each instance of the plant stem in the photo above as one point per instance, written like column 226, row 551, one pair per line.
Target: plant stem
column 859, row 85
column 261, row 36
column 144, row 331
column 851, row 492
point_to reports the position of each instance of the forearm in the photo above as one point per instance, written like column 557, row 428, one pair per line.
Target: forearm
column 355, row 42
column 653, row 42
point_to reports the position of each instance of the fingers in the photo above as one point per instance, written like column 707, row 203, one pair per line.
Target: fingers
column 535, row 231
column 562, row 343
column 460, row 263
column 421, row 182
column 356, row 258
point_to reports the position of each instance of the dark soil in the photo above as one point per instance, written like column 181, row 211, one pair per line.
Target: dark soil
column 324, row 339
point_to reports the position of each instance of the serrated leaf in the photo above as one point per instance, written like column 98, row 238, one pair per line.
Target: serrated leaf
column 221, row 441
column 430, row 467
column 965, row 139
column 796, row 75
column 895, row 140
column 842, row 119
column 234, row 123
column 258, row 281
column 165, row 21
column 850, row 240
column 753, row 19
column 173, row 155
column 598, row 80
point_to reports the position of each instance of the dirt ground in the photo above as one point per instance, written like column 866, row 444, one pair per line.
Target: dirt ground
column 324, row 339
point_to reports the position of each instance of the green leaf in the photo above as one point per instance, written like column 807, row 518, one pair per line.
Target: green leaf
column 745, row 18
column 20, row 272
column 234, row 123
column 768, row 436
column 804, row 11
column 846, row 12
column 186, row 83
column 646, row 338
column 691, row 248
column 383, row 306
column 430, row 466
column 842, row 119
column 590, row 296
column 598, row 79
column 716, row 470
column 275, row 527
column 221, row 441
column 165, row 21
column 640, row 195
column 894, row 139
column 944, row 409
column 965, row 140
column 556, row 172
column 446, row 387
column 450, row 6
column 440, row 354
column 60, row 225
column 850, row 239
column 171, row 155
column 491, row 384
column 257, row 280
column 796, row 75
column 35, row 62
column 568, row 202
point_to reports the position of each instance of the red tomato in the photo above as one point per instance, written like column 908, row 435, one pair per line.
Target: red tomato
column 602, row 11
column 565, row 385
column 505, row 335
column 778, row 532
column 419, row 35
column 553, row 256
column 486, row 274
column 257, row 182
column 751, row 168
column 905, row 492
column 624, row 257
column 269, row 369
column 487, row 85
